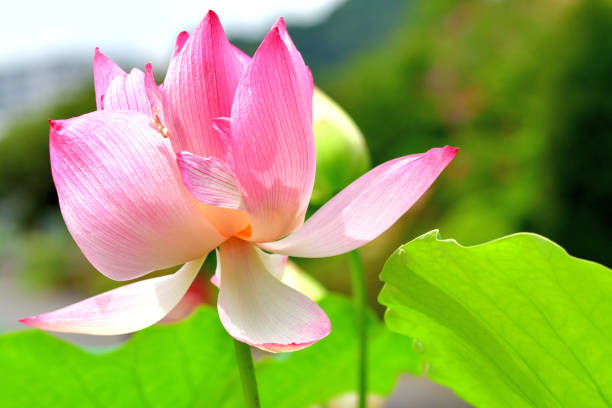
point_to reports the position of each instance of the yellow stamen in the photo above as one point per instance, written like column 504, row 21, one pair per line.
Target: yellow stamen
column 157, row 124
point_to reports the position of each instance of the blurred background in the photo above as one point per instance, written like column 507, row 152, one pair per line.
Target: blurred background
column 522, row 87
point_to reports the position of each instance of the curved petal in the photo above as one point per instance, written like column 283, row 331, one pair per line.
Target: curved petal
column 181, row 39
column 122, row 197
column 213, row 184
column 258, row 309
column 302, row 71
column 244, row 58
column 154, row 96
column 272, row 141
column 200, row 86
column 216, row 278
column 123, row 310
column 287, row 272
column 275, row 264
column 127, row 92
column 210, row 180
column 367, row 207
column 104, row 71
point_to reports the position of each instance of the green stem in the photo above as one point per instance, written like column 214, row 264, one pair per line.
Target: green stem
column 359, row 297
column 247, row 374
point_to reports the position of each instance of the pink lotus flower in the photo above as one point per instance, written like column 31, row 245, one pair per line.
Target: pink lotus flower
column 235, row 172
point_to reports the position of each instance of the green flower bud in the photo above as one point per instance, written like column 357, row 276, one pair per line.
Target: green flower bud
column 296, row 278
column 342, row 155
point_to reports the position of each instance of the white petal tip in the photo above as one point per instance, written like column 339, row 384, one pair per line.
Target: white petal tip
column 309, row 335
column 295, row 346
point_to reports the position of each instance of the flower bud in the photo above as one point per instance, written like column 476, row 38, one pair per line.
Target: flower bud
column 298, row 279
column 342, row 155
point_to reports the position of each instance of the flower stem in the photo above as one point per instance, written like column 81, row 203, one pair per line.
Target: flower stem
column 247, row 374
column 359, row 297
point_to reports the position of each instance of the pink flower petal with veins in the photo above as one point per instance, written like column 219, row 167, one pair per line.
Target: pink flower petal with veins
column 199, row 87
column 116, row 90
column 303, row 73
column 272, row 140
column 210, row 180
column 222, row 126
column 181, row 39
column 122, row 197
column 367, row 207
column 256, row 308
column 123, row 310
column 242, row 56
column 155, row 100
column 274, row 263
column 104, row 70
column 235, row 169
column 127, row 92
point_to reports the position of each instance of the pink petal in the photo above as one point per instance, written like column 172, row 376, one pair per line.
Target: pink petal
column 155, row 97
column 274, row 263
column 244, row 58
column 181, row 39
column 222, row 127
column 258, row 309
column 302, row 70
column 122, row 197
column 104, row 70
column 200, row 86
column 216, row 278
column 123, row 310
column 198, row 294
column 127, row 92
column 210, row 180
column 367, row 207
column 272, row 140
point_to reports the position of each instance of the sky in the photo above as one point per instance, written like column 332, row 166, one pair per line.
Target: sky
column 143, row 30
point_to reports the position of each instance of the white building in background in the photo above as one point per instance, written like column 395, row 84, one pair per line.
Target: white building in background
column 33, row 86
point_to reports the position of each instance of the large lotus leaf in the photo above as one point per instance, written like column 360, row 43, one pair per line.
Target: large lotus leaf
column 192, row 364
column 515, row 322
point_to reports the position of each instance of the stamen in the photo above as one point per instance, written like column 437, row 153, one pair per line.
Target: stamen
column 157, row 124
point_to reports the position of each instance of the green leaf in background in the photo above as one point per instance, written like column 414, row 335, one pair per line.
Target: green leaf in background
column 192, row 364
column 515, row 322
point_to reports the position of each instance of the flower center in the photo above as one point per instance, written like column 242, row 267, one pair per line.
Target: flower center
column 245, row 233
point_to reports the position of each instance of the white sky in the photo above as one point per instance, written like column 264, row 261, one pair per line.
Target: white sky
column 145, row 30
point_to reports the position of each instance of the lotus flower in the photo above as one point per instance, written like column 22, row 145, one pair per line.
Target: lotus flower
column 221, row 155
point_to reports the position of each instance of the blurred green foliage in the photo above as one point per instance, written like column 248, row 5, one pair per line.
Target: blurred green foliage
column 519, row 86
column 355, row 26
column 25, row 172
column 577, row 209
column 522, row 87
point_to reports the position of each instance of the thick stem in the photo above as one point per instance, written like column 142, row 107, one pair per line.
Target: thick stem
column 359, row 297
column 247, row 374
